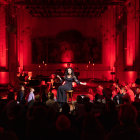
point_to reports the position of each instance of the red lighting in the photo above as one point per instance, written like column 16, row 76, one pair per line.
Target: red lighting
column 131, row 76
column 74, row 84
column 3, row 49
column 67, row 53
column 130, row 55
column 65, row 65
column 131, row 39
column 4, row 77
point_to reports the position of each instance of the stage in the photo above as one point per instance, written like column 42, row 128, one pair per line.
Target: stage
column 88, row 90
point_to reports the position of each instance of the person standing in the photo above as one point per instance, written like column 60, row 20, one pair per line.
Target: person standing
column 20, row 95
column 31, row 96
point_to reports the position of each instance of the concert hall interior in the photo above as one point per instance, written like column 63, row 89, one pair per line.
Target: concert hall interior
column 42, row 40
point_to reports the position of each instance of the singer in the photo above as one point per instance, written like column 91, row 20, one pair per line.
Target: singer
column 69, row 77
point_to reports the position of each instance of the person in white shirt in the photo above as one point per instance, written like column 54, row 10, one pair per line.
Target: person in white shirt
column 31, row 95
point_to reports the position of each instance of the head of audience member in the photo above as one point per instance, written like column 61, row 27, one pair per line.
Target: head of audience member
column 115, row 85
column 91, row 128
column 8, row 135
column 63, row 123
column 18, row 74
column 37, row 98
column 116, row 90
column 53, row 76
column 138, row 90
column 66, row 108
column 126, row 99
column 50, row 96
column 123, row 91
column 133, row 85
column 86, row 99
column 99, row 89
column 127, row 114
column 79, row 99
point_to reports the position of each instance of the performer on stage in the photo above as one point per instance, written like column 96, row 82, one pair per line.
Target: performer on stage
column 69, row 77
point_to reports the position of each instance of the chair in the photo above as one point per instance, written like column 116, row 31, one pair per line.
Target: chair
column 69, row 95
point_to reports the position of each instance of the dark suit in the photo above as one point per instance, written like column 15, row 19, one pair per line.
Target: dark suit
column 20, row 96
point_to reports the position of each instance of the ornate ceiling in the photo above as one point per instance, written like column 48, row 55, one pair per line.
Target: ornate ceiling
column 62, row 8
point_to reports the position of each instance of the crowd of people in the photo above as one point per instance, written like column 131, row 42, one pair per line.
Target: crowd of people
column 112, row 114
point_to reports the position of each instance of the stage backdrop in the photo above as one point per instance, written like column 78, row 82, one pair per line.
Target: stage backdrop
column 67, row 46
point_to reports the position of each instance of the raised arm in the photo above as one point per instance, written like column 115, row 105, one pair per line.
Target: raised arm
column 59, row 78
